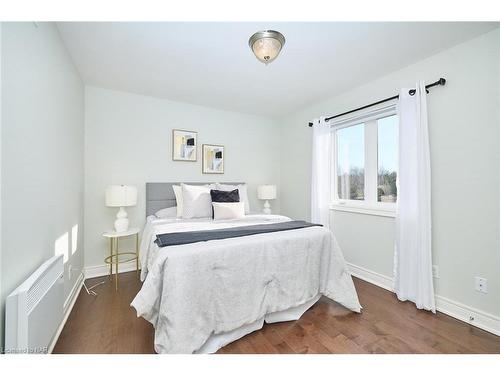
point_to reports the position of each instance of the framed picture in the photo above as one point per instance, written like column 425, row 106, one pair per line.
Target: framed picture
column 184, row 145
column 213, row 159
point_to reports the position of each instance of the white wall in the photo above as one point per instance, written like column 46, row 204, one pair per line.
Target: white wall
column 41, row 152
column 128, row 140
column 464, row 121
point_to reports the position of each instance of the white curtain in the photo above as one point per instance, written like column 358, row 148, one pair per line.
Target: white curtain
column 321, row 172
column 413, row 254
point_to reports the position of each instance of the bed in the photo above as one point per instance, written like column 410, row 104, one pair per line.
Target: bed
column 202, row 296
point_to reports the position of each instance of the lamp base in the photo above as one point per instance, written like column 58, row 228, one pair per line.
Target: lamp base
column 267, row 208
column 121, row 222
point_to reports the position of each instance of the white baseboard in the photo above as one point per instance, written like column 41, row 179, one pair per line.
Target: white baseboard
column 468, row 314
column 457, row 310
column 103, row 269
column 67, row 307
column 372, row 277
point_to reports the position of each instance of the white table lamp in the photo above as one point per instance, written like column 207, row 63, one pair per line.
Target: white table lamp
column 121, row 196
column 267, row 193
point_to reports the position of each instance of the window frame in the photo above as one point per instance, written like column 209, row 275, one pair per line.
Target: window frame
column 370, row 205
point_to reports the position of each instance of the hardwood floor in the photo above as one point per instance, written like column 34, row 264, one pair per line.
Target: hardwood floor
column 107, row 324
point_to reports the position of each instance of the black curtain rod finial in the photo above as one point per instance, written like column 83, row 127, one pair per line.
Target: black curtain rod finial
column 440, row 82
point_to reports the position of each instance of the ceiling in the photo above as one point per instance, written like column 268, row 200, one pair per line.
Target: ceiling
column 210, row 64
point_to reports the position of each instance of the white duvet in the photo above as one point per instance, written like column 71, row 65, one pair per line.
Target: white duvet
column 193, row 291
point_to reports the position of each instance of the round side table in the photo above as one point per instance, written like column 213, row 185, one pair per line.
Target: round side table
column 115, row 254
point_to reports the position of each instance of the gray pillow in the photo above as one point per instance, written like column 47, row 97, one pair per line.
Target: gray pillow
column 225, row 196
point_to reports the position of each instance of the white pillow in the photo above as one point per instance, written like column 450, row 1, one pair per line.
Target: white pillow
column 242, row 191
column 178, row 198
column 166, row 212
column 225, row 210
column 196, row 201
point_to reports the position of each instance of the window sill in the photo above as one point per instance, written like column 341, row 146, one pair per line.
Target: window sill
column 365, row 210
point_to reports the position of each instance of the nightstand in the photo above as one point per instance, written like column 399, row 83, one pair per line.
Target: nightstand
column 115, row 254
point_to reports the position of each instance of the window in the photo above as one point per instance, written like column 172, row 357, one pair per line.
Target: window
column 365, row 163
column 351, row 162
column 387, row 159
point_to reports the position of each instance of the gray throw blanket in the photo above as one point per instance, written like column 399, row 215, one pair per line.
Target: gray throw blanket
column 182, row 238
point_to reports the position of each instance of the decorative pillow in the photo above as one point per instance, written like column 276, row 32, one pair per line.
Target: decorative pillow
column 178, row 198
column 165, row 213
column 196, row 201
column 228, row 210
column 242, row 191
column 225, row 196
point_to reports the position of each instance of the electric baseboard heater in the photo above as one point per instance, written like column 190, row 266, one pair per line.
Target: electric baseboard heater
column 35, row 309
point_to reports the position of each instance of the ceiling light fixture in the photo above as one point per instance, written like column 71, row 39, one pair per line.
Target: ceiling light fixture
column 266, row 45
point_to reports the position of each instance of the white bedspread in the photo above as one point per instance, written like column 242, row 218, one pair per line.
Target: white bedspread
column 193, row 291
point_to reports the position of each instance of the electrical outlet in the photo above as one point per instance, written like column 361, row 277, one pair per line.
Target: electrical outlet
column 481, row 284
column 69, row 271
column 435, row 271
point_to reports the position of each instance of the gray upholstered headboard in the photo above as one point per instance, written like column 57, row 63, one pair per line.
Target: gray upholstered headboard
column 161, row 194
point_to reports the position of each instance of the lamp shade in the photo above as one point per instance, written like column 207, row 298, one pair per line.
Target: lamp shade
column 266, row 192
column 121, row 196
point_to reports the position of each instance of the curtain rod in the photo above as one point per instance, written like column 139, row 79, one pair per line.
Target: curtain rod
column 439, row 82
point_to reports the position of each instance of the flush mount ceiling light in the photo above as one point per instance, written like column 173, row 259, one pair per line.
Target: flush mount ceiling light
column 266, row 45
